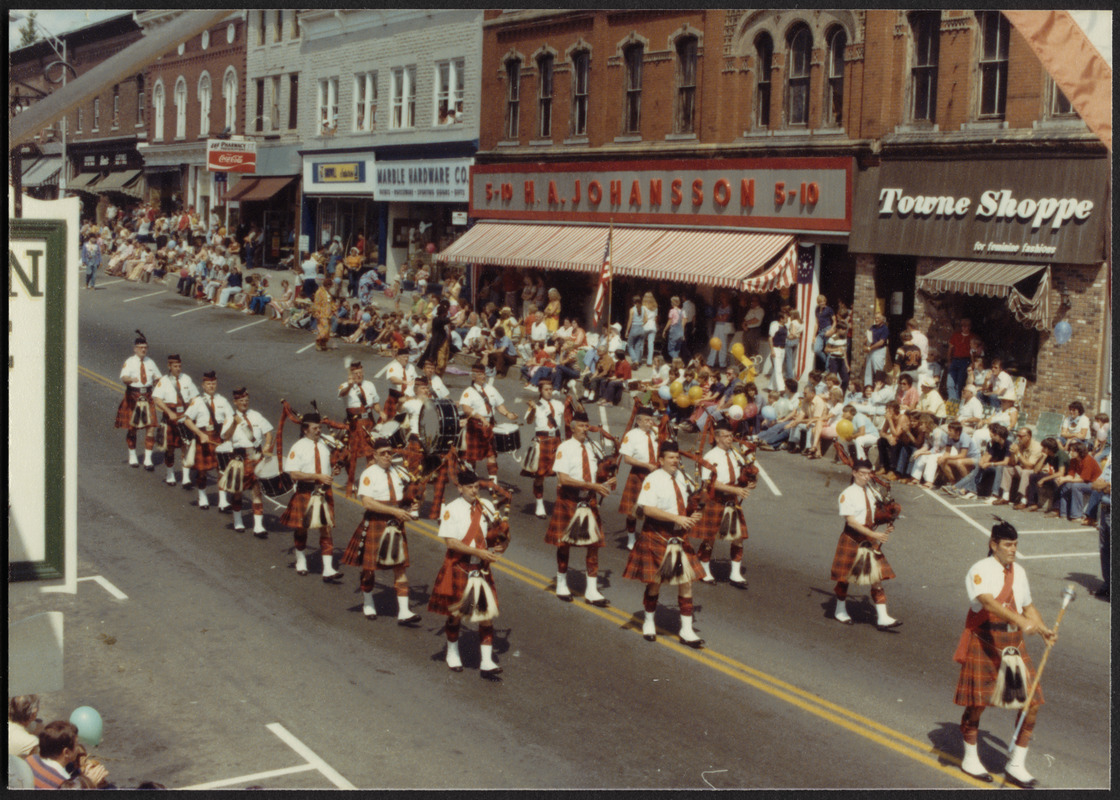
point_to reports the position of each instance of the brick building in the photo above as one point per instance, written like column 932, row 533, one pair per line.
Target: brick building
column 782, row 128
column 196, row 93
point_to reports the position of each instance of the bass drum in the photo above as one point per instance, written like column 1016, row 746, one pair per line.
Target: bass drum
column 274, row 482
column 439, row 426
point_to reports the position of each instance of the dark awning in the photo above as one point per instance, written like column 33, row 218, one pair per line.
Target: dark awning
column 42, row 172
column 992, row 279
column 83, row 181
column 250, row 189
column 116, row 181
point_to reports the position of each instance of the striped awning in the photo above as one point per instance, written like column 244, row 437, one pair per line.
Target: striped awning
column 116, row 181
column 711, row 258
column 82, row 180
column 991, row 279
column 42, row 172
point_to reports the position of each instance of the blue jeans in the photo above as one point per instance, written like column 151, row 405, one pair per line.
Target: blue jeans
column 820, row 360
column 905, row 451
column 561, row 375
column 790, row 366
column 775, row 434
column 542, row 374
column 958, row 375
column 649, row 347
column 258, row 303
column 674, row 342
column 91, row 275
column 839, row 365
column 971, row 481
column 634, row 344
column 1071, row 499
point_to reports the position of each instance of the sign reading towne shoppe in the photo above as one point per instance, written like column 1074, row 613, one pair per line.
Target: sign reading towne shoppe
column 785, row 194
column 229, row 155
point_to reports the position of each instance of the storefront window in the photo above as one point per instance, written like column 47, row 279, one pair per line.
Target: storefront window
column 1002, row 334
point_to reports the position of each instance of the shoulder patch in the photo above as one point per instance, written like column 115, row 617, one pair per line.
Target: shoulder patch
column 647, row 486
column 365, row 481
column 447, row 515
column 292, row 454
column 977, row 579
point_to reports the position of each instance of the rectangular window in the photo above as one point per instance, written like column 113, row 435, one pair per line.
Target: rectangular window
column 995, row 32
column 834, row 89
column 581, row 68
column 513, row 99
column 328, row 105
column 120, row 159
column 365, row 101
column 1060, row 105
column 403, row 96
column 258, row 123
column 274, row 105
column 78, row 122
column 293, row 100
column 116, row 106
column 139, row 101
column 632, row 119
column 686, row 84
column 295, row 23
column 800, row 57
column 544, row 97
column 96, row 113
column 449, row 92
column 765, row 65
column 262, row 25
column 278, row 32
column 923, row 77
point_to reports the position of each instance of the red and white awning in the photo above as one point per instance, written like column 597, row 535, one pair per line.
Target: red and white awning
column 709, row 258
column 990, row 279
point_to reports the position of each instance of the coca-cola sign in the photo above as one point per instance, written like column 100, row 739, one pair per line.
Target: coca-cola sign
column 229, row 155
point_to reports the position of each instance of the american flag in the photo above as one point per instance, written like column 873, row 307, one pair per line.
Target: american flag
column 806, row 302
column 604, row 281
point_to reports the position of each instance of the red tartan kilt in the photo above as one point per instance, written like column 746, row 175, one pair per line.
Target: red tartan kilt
column 172, row 440
column 361, row 446
column 205, row 457
column 562, row 511
column 362, row 549
column 645, row 559
column 548, row 446
column 846, row 550
column 631, row 491
column 128, row 404
column 479, row 446
column 980, row 669
column 707, row 529
column 413, row 454
column 450, row 583
column 249, row 473
column 297, row 507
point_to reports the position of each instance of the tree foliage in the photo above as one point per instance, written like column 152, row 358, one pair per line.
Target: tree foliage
column 29, row 31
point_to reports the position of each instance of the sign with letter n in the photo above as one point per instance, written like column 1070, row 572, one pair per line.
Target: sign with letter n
column 38, row 418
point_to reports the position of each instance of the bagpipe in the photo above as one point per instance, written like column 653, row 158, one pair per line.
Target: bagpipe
column 748, row 464
column 584, row 528
column 700, row 491
column 318, row 513
column 608, row 461
column 865, row 568
column 887, row 509
column 479, row 603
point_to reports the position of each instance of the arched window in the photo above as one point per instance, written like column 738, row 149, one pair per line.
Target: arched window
column 229, row 96
column 204, row 104
column 158, row 101
column 687, row 47
column 633, row 55
column 581, row 73
column 834, row 84
column 800, row 44
column 925, row 27
column 181, row 108
column 764, row 62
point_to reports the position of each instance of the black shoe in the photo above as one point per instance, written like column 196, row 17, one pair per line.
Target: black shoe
column 226, row 509
column 984, row 776
column 649, row 637
column 1032, row 783
column 332, row 578
column 599, row 603
column 239, row 530
column 564, row 598
column 739, row 584
column 490, row 674
column 150, row 467
column 410, row 622
column 187, row 486
column 889, row 626
column 695, row 644
column 261, row 534
column 456, row 669
column 136, row 465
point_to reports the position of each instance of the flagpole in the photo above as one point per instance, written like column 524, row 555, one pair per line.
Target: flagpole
column 610, row 283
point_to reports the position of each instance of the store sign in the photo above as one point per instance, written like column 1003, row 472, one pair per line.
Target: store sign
column 334, row 176
column 435, row 180
column 228, row 155
column 1047, row 210
column 788, row 194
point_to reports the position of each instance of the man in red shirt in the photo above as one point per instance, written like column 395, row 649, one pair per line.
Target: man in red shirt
column 611, row 392
column 1083, row 469
column 960, row 350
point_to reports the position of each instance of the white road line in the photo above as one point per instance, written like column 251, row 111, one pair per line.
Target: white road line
column 328, row 771
column 110, row 283
column 110, row 588
column 303, row 349
column 987, row 533
column 1084, row 529
column 247, row 325
column 141, row 297
column 254, row 778
column 970, row 505
column 773, row 486
column 383, row 370
column 190, row 310
column 603, row 418
column 1061, row 555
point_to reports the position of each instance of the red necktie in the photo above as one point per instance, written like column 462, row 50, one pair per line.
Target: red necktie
column 552, row 416
column 730, row 469
column 179, row 393
column 392, row 490
column 586, row 462
column 870, row 515
column 652, row 454
column 474, row 536
column 143, row 374
column 213, row 417
column 249, row 425
column 318, row 463
column 680, row 497
column 362, row 392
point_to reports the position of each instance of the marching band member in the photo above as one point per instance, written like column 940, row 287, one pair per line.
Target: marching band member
column 309, row 464
column 1000, row 613
column 172, row 395
column 363, row 409
column 139, row 375
column 250, row 435
column 575, row 519
column 662, row 553
column 205, row 416
column 477, row 404
column 439, row 389
column 639, row 450
column 546, row 415
column 857, row 507
column 380, row 540
column 723, row 516
column 402, row 380
column 464, row 526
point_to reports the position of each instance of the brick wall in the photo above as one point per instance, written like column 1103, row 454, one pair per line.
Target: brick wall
column 863, row 311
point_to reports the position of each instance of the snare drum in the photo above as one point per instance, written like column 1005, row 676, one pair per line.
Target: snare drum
column 507, row 438
column 391, row 431
column 439, row 425
column 273, row 481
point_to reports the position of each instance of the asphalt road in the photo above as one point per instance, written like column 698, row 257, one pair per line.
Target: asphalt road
column 219, row 639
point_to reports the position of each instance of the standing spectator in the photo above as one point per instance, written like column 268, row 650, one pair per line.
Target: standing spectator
column 876, row 347
column 649, row 324
column 794, row 329
column 825, row 317
column 353, row 270
column 908, row 356
column 752, row 326
column 91, row 260
column 1103, row 484
column 674, row 328
column 552, row 311
column 722, row 331
column 22, row 712
column 836, row 353
column 688, row 318
column 310, row 276
column 960, row 354
column 778, row 334
column 635, row 336
column 920, row 340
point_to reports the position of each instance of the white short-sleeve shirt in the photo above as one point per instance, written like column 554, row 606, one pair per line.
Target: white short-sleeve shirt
column 472, row 398
column 301, row 458
column 639, row 444
column 455, row 520
column 375, row 481
column 353, row 397
column 165, row 391
column 539, row 416
column 725, row 461
column 198, row 412
column 986, row 577
column 251, row 430
column 854, row 502
column 569, row 459
column 407, row 374
column 657, row 491
column 131, row 369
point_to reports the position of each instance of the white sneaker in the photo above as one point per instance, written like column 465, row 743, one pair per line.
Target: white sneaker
column 301, row 563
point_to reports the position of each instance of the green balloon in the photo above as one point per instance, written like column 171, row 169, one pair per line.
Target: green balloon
column 89, row 725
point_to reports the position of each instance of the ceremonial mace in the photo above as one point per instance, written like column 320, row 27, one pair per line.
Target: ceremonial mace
column 1068, row 595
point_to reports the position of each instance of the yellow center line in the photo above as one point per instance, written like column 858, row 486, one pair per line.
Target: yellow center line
column 896, row 741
